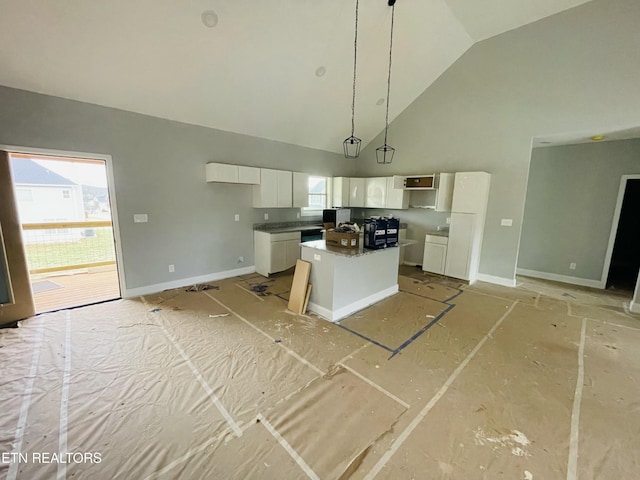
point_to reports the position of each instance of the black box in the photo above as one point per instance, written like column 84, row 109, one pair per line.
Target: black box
column 375, row 233
column 393, row 232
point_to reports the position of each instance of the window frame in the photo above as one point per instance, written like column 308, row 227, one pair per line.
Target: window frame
column 313, row 212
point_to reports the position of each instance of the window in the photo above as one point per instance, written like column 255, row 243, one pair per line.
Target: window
column 66, row 194
column 318, row 195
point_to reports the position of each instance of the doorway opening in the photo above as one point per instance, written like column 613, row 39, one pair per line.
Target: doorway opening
column 625, row 258
column 67, row 230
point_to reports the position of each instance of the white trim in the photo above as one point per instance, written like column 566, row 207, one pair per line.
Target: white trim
column 614, row 228
column 159, row 287
column 340, row 313
column 634, row 307
column 507, row 282
column 584, row 282
column 111, row 188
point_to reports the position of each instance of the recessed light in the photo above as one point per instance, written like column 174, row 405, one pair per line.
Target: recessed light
column 380, row 101
column 209, row 18
column 320, row 71
column 597, row 138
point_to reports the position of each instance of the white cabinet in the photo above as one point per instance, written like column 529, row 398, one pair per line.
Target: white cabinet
column 396, row 197
column 340, row 192
column 300, row 189
column 226, row 173
column 438, row 198
column 248, row 175
column 275, row 189
column 357, row 192
column 470, row 192
column 376, row 192
column 275, row 252
column 435, row 254
column 461, row 251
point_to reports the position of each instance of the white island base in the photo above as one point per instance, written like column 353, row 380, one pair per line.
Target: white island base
column 347, row 280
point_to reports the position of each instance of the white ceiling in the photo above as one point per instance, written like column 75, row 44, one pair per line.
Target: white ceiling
column 254, row 72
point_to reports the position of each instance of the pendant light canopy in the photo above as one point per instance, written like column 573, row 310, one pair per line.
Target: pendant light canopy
column 384, row 154
column 352, row 144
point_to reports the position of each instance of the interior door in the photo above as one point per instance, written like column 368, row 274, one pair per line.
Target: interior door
column 16, row 300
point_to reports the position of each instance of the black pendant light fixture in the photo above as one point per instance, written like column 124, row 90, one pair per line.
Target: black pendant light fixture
column 352, row 144
column 384, row 154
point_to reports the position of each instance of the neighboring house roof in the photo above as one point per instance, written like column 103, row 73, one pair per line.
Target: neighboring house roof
column 29, row 172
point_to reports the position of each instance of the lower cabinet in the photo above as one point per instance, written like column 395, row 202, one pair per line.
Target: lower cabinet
column 275, row 252
column 435, row 254
column 464, row 247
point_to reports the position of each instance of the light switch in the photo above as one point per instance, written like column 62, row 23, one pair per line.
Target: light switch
column 506, row 222
column 140, row 218
column 266, row 216
column 317, row 257
column 237, row 217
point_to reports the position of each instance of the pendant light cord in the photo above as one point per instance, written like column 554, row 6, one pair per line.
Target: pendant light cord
column 355, row 59
column 386, row 128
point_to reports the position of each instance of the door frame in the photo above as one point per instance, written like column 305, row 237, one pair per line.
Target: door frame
column 612, row 239
column 112, row 194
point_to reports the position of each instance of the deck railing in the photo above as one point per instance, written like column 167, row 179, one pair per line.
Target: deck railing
column 62, row 246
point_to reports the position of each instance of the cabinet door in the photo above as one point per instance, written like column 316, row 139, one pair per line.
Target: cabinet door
column 300, row 189
column 265, row 195
column 434, row 257
column 340, row 192
column 285, row 188
column 278, row 257
column 221, row 172
column 460, row 247
column 292, row 254
column 376, row 192
column 248, row 175
column 396, row 197
column 444, row 196
column 470, row 192
column 356, row 192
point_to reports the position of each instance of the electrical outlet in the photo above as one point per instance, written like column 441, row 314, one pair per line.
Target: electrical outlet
column 298, row 215
column 572, row 266
column 237, row 217
column 266, row 216
column 140, row 218
column 172, row 268
column 448, row 220
column 506, row 222
column 240, row 259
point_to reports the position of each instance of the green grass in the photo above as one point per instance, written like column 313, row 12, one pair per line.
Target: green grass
column 99, row 248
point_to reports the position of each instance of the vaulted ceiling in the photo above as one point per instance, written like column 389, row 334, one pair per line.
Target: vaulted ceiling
column 257, row 70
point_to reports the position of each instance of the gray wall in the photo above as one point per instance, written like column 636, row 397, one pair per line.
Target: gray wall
column 577, row 71
column 159, row 170
column 571, row 198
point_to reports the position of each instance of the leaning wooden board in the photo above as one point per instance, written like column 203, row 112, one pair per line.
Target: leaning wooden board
column 299, row 286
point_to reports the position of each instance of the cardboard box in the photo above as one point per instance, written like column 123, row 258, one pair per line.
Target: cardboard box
column 342, row 240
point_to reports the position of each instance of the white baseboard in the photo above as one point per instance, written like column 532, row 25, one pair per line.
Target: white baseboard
column 410, row 264
column 634, row 307
column 183, row 282
column 339, row 314
column 507, row 282
column 583, row 282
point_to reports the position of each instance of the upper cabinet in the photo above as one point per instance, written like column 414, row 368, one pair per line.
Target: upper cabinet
column 470, row 192
column 376, row 192
column 227, row 173
column 340, row 192
column 275, row 189
column 396, row 197
column 438, row 198
column 300, row 189
column 357, row 192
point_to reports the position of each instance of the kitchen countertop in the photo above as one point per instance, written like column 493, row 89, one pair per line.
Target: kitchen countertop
column 438, row 233
column 283, row 227
column 349, row 252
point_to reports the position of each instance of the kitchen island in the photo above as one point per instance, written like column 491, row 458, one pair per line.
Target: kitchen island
column 347, row 280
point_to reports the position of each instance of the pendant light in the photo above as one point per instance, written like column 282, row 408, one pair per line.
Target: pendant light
column 352, row 144
column 384, row 154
